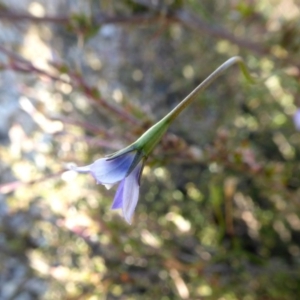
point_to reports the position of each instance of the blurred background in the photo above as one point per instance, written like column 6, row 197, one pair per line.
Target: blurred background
column 219, row 209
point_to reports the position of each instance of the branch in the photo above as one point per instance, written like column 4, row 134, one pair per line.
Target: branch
column 20, row 17
column 99, row 19
column 181, row 16
column 18, row 63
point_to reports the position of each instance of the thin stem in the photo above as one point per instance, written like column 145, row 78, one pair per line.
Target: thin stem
column 147, row 141
column 171, row 116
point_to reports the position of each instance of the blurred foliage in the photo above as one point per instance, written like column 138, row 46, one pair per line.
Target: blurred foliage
column 219, row 209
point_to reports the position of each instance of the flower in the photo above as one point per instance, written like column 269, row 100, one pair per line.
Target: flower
column 125, row 168
column 126, row 165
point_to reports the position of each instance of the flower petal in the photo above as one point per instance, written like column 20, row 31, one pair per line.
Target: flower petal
column 84, row 169
column 131, row 192
column 111, row 171
column 118, row 200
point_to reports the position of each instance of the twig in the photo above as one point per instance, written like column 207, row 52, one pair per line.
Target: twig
column 20, row 17
column 181, row 16
column 20, row 64
column 90, row 92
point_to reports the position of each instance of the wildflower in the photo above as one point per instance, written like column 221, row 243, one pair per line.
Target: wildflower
column 125, row 166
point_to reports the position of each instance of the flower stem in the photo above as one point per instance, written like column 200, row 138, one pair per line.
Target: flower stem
column 171, row 116
column 147, row 141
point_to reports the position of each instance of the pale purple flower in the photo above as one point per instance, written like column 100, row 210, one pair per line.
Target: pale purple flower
column 126, row 169
column 296, row 118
